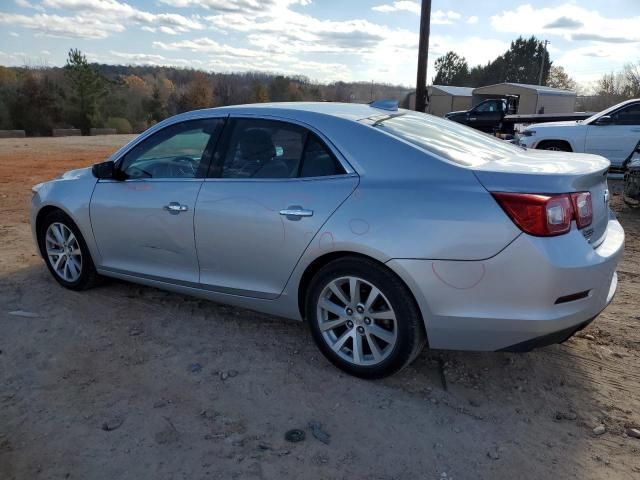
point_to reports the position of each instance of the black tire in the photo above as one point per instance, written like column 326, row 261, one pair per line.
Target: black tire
column 88, row 276
column 410, row 337
column 554, row 145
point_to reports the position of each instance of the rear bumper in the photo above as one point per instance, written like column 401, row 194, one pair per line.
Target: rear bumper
column 510, row 301
column 560, row 336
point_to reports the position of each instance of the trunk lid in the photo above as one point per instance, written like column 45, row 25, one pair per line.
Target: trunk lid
column 531, row 171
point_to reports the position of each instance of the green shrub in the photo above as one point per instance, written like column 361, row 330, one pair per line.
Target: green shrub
column 121, row 125
column 140, row 126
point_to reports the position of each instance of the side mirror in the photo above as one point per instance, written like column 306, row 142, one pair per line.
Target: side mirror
column 103, row 170
column 604, row 120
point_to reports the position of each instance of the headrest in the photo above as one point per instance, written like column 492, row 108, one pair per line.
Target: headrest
column 256, row 144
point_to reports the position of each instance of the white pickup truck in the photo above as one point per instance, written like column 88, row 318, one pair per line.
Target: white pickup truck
column 612, row 133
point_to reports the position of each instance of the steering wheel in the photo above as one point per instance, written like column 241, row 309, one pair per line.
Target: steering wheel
column 187, row 166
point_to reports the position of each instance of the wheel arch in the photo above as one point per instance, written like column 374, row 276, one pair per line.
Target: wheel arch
column 46, row 210
column 321, row 261
column 40, row 216
column 540, row 144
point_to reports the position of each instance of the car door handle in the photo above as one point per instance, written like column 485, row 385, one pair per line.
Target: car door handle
column 295, row 213
column 635, row 129
column 175, row 207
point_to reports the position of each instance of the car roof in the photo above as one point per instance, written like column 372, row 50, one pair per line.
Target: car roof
column 349, row 111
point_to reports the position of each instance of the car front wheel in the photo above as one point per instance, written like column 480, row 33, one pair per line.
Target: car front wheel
column 555, row 146
column 65, row 252
column 363, row 318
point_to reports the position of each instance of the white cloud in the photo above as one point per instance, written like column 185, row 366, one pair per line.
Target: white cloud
column 114, row 12
column 476, row 50
column 440, row 17
column 57, row 26
column 471, row 20
column 570, row 21
column 235, row 5
column 207, row 45
column 401, row 6
column 590, row 43
column 14, row 34
column 27, row 4
column 292, row 32
column 150, row 59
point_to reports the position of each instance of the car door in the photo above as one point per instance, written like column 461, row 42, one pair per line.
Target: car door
column 272, row 185
column 143, row 221
column 486, row 116
column 615, row 139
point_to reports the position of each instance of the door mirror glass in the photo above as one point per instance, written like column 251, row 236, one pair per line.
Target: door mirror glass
column 604, row 120
column 103, row 170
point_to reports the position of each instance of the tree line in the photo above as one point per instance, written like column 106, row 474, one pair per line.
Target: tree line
column 132, row 98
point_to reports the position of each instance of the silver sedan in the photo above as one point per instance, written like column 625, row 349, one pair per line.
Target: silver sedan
column 384, row 229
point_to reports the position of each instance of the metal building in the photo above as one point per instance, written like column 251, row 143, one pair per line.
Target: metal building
column 530, row 98
column 444, row 99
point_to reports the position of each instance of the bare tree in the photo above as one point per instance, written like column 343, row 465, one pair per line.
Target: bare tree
column 558, row 78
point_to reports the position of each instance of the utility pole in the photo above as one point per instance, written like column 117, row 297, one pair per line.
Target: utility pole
column 544, row 57
column 423, row 56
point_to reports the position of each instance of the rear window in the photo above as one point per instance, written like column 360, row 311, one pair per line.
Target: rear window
column 450, row 140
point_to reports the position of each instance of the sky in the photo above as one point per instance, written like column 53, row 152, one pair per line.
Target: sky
column 325, row 40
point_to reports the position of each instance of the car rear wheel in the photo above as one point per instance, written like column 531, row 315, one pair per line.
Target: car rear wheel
column 363, row 318
column 65, row 252
column 555, row 146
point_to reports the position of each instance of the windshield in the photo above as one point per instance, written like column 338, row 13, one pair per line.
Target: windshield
column 450, row 140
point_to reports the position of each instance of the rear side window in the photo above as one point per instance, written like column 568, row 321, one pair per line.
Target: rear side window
column 263, row 149
column 257, row 148
column 318, row 161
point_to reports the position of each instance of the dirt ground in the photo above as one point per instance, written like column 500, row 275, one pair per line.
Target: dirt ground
column 124, row 381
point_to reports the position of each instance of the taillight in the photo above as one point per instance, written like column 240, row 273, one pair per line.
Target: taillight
column 546, row 215
column 582, row 208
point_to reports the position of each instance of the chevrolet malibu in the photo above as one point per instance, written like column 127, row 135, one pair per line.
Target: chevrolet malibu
column 384, row 229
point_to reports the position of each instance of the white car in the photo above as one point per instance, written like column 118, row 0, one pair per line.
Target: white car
column 612, row 133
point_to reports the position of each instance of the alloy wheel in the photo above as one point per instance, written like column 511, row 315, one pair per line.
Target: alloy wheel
column 357, row 321
column 63, row 252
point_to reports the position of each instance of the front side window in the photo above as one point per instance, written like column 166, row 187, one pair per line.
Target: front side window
column 257, row 148
column 491, row 106
column 628, row 116
column 178, row 151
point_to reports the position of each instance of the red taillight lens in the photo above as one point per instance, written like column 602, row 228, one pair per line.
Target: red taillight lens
column 540, row 215
column 582, row 208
